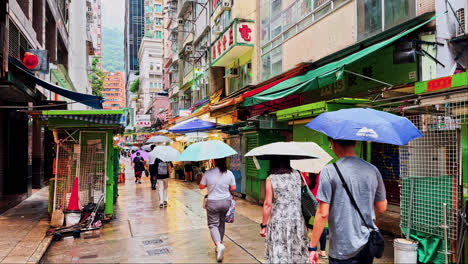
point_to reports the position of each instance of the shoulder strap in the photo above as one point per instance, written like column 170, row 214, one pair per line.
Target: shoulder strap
column 353, row 202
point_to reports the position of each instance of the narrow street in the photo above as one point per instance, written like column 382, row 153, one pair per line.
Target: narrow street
column 142, row 232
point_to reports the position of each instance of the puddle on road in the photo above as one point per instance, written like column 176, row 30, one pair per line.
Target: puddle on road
column 159, row 251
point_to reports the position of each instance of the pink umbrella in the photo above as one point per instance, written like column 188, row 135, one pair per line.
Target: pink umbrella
column 143, row 154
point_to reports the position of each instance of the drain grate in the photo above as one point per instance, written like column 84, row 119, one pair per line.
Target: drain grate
column 159, row 251
column 89, row 256
column 152, row 242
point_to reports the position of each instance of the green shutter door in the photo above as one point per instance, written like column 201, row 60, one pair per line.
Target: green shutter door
column 252, row 184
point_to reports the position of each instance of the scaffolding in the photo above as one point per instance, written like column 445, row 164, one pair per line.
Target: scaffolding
column 430, row 168
column 81, row 154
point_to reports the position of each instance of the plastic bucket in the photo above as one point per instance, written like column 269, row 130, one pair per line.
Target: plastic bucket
column 72, row 217
column 406, row 251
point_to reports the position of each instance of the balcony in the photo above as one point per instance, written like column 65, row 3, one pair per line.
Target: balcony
column 184, row 7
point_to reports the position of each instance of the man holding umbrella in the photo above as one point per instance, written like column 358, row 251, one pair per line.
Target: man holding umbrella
column 352, row 190
column 348, row 237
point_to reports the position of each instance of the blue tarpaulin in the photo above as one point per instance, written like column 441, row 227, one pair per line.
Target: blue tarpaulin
column 86, row 99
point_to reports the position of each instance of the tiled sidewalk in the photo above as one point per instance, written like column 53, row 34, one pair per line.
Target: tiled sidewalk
column 23, row 230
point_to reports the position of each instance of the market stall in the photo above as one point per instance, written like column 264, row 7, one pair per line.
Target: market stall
column 84, row 150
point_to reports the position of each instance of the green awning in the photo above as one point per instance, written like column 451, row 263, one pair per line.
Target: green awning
column 322, row 76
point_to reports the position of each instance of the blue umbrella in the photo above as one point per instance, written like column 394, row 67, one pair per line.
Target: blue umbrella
column 193, row 125
column 206, row 150
column 365, row 124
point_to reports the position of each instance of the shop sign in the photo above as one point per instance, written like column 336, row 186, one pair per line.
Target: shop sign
column 238, row 34
column 456, row 80
column 184, row 112
column 143, row 120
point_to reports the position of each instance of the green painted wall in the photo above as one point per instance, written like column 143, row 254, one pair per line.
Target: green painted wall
column 109, row 211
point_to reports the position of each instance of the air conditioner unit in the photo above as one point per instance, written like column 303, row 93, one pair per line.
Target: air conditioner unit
column 189, row 48
column 218, row 29
column 462, row 15
column 180, row 21
column 232, row 73
column 227, row 4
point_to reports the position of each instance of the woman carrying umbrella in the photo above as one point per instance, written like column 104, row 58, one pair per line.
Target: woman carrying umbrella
column 283, row 207
column 283, row 224
column 138, row 166
column 220, row 182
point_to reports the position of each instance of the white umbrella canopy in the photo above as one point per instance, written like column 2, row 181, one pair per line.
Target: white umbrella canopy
column 312, row 165
column 295, row 150
column 134, row 148
column 146, row 147
column 305, row 156
column 164, row 153
column 158, row 139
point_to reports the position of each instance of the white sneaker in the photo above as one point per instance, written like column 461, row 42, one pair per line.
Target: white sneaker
column 220, row 252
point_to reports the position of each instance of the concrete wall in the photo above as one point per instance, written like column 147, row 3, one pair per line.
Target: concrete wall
column 334, row 32
column 78, row 57
column 446, row 28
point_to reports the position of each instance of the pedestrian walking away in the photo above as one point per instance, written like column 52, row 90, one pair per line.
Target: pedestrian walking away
column 162, row 178
column 153, row 170
column 220, row 182
column 349, row 234
column 139, row 167
column 188, row 171
column 286, row 232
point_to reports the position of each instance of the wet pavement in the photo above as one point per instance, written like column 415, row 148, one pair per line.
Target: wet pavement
column 23, row 229
column 144, row 233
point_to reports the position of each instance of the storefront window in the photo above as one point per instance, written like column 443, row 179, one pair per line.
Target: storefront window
column 370, row 12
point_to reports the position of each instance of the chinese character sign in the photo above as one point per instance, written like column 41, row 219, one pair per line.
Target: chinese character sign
column 238, row 33
column 143, row 120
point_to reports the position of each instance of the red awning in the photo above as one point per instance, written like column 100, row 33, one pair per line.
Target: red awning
column 265, row 87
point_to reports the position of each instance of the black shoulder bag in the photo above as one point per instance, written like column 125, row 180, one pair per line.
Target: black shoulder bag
column 376, row 243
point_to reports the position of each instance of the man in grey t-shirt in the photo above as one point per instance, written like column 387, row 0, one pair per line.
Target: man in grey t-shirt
column 348, row 234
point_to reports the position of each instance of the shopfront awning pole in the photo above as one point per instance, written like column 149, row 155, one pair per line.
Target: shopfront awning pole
column 369, row 78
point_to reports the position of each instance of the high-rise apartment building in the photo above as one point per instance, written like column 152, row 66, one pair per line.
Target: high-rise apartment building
column 134, row 30
column 133, row 34
column 96, row 30
column 150, row 57
column 114, row 91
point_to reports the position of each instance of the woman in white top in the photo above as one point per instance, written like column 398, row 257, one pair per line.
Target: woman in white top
column 220, row 182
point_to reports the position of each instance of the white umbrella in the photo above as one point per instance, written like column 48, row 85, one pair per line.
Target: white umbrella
column 146, row 147
column 312, row 165
column 162, row 131
column 158, row 139
column 164, row 153
column 295, row 150
column 134, row 148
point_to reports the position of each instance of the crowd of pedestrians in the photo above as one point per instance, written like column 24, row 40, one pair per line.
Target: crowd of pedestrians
column 286, row 231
